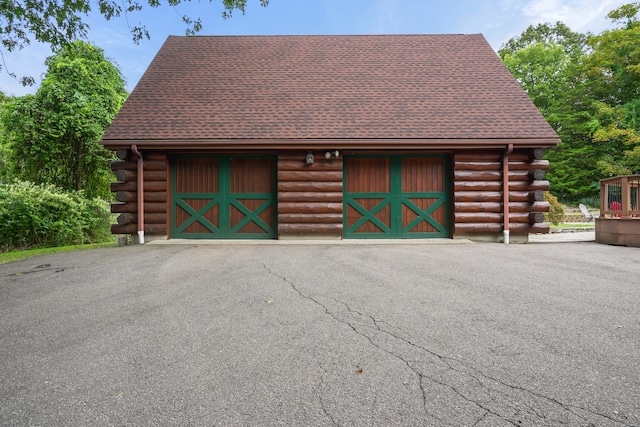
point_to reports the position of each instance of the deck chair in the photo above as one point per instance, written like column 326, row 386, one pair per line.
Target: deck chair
column 587, row 215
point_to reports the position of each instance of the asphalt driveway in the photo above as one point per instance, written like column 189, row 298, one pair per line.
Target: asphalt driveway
column 326, row 335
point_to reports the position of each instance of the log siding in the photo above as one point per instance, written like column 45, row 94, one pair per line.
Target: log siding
column 310, row 200
column 478, row 195
column 155, row 194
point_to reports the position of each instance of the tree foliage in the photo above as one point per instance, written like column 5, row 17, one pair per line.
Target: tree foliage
column 52, row 136
column 613, row 70
column 548, row 35
column 3, row 149
column 58, row 23
column 614, row 65
column 541, row 69
column 588, row 88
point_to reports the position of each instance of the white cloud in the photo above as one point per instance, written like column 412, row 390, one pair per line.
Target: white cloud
column 579, row 15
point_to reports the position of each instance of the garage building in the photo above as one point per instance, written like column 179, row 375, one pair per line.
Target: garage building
column 380, row 136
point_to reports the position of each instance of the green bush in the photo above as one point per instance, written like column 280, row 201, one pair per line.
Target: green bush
column 44, row 216
column 591, row 202
column 556, row 209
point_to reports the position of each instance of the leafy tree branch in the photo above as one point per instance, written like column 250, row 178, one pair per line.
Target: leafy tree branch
column 60, row 22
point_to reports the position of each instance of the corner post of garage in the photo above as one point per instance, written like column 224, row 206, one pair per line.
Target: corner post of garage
column 505, row 192
column 140, row 172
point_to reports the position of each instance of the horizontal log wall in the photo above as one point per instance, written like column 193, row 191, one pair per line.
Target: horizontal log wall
column 478, row 192
column 309, row 196
column 126, row 189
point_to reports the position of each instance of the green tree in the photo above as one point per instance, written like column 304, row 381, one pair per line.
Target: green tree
column 614, row 64
column 588, row 88
column 59, row 23
column 3, row 149
column 559, row 34
column 613, row 72
column 53, row 136
column 547, row 61
column 542, row 71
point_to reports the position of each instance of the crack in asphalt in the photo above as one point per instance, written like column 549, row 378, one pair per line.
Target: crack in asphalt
column 449, row 360
column 39, row 269
column 480, row 378
column 482, row 417
column 420, row 375
column 534, row 411
column 324, row 409
column 293, row 286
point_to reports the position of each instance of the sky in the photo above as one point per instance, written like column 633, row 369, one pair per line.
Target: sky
column 497, row 20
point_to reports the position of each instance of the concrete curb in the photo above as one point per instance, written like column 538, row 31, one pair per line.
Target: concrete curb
column 314, row 242
column 581, row 236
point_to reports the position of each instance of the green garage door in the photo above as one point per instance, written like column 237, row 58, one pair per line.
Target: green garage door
column 396, row 197
column 223, row 197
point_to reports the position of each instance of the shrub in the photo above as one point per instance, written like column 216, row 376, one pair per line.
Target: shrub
column 556, row 209
column 43, row 215
column 590, row 202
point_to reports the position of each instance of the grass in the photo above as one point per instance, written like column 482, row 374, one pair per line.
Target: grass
column 12, row 256
column 573, row 225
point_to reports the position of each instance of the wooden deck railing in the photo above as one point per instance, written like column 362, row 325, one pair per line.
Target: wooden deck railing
column 620, row 197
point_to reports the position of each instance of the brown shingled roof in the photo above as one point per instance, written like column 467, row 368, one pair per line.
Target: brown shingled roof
column 250, row 89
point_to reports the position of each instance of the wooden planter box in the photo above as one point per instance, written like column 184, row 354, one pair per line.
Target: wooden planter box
column 618, row 231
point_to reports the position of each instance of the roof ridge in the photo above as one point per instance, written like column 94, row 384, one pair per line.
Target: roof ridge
column 324, row 35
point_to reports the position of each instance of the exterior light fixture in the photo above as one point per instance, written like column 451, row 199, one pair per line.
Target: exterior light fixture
column 330, row 154
column 309, row 159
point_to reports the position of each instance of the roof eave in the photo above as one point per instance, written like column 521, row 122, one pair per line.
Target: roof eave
column 308, row 144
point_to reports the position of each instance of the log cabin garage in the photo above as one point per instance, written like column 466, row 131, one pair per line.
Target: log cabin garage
column 343, row 137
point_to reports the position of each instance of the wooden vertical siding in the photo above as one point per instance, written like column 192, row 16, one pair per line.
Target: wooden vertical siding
column 155, row 194
column 368, row 175
column 223, row 197
column 424, row 175
column 250, row 176
column 397, row 196
column 478, row 207
column 309, row 196
column 197, row 175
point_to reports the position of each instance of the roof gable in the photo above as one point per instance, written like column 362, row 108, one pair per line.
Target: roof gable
column 327, row 87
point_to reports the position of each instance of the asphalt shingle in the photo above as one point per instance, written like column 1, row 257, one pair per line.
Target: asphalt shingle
column 428, row 87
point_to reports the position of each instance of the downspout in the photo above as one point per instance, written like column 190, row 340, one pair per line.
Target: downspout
column 134, row 148
column 505, row 192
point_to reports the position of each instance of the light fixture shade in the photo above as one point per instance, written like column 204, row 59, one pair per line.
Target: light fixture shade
column 309, row 159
